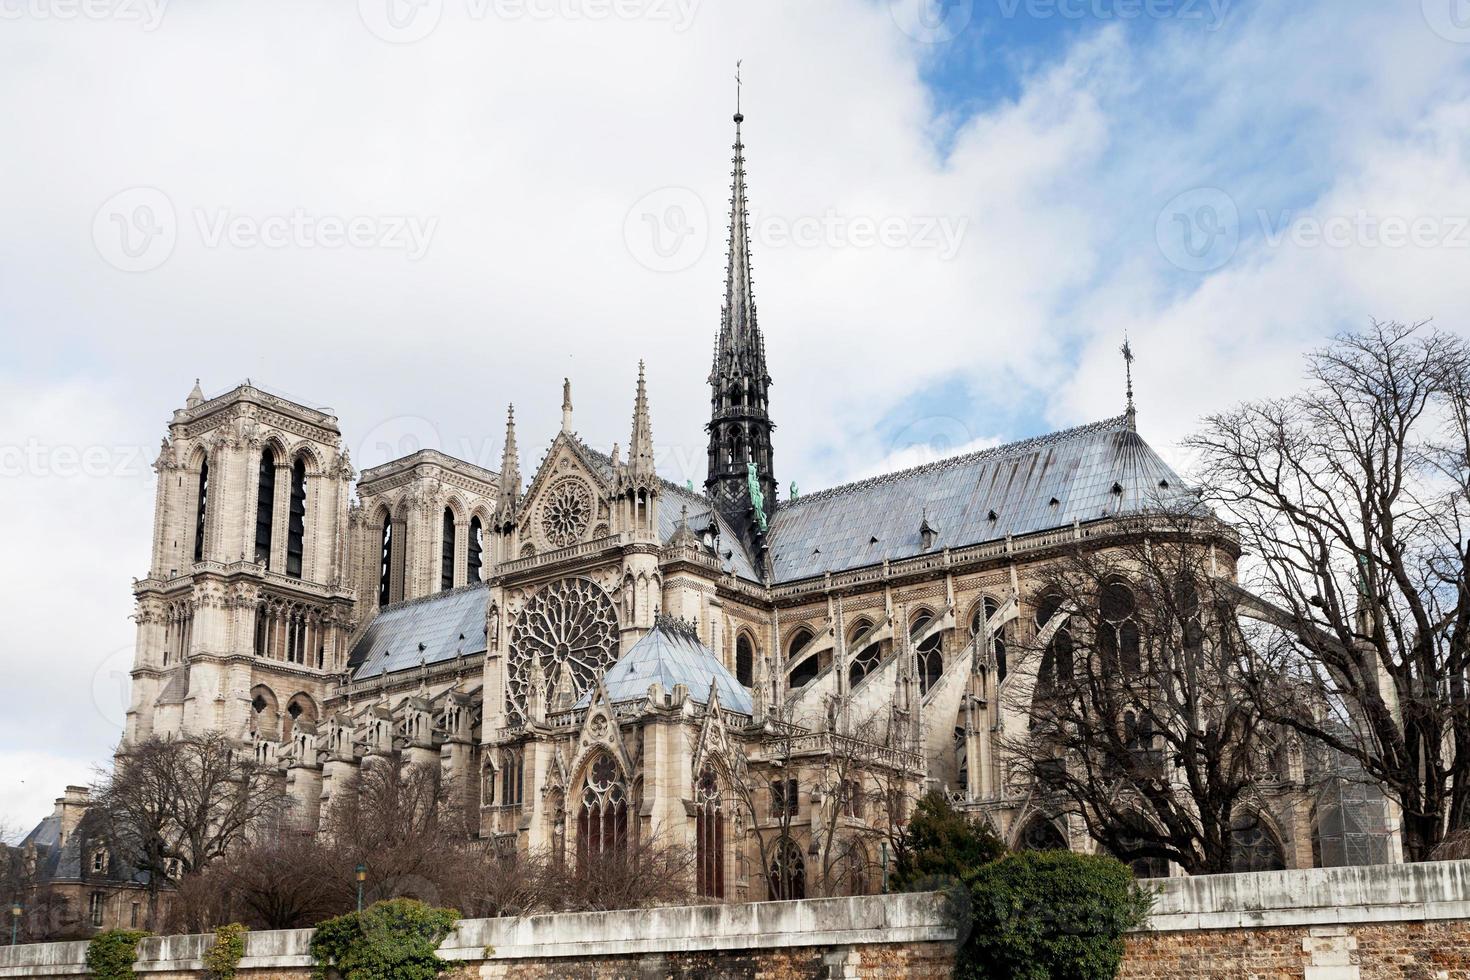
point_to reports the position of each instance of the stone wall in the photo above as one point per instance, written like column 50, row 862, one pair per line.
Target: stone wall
column 875, row 937
column 1395, row 922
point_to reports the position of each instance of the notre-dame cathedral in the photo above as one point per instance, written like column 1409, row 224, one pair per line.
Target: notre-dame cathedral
column 597, row 652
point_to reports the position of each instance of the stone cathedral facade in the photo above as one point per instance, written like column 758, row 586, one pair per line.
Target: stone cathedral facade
column 588, row 651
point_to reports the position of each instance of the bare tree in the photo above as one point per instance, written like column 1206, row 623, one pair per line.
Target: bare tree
column 1139, row 721
column 1353, row 497
column 644, row 871
column 767, row 808
column 173, row 806
column 845, row 838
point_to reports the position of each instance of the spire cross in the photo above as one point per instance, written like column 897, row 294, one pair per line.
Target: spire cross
column 737, row 85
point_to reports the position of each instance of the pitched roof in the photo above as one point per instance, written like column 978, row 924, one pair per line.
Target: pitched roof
column 671, row 654
column 1104, row 469
column 431, row 629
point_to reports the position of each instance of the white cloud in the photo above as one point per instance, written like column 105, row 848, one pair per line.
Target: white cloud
column 526, row 141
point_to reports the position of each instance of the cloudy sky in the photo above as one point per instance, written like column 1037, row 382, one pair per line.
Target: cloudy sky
column 417, row 211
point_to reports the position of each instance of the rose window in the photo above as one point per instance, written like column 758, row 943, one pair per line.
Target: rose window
column 569, row 623
column 566, row 513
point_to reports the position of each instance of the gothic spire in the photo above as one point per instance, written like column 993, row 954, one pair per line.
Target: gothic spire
column 640, row 445
column 741, row 349
column 566, row 405
column 510, row 461
column 196, row 397
column 741, row 478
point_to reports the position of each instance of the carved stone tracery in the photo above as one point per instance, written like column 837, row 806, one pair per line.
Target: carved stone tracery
column 570, row 623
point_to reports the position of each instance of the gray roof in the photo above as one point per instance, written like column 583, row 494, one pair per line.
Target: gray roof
column 430, row 630
column 671, row 654
column 1034, row 485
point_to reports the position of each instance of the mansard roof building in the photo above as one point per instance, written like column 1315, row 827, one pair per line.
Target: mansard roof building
column 596, row 651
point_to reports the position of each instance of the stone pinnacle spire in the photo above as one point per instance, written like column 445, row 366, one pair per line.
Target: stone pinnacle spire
column 196, row 397
column 741, row 479
column 740, row 349
column 566, row 405
column 640, row 445
column 510, row 462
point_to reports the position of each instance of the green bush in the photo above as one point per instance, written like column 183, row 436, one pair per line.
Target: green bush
column 225, row 955
column 111, row 954
column 1050, row 916
column 393, row 940
column 940, row 843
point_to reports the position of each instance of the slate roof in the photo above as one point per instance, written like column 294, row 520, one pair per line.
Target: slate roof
column 671, row 654
column 431, row 629
column 1034, row 485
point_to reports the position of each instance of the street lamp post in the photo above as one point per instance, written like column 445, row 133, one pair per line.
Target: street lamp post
column 15, row 914
column 361, row 877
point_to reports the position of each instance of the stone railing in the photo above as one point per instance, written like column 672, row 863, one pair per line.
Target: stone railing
column 560, row 555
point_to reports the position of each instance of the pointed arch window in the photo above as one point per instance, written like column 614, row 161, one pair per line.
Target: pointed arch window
column 474, row 552
column 1252, row 845
column 744, row 661
column 930, row 652
column 787, row 871
column 602, row 822
column 1056, row 660
column 1041, row 834
column 201, row 509
column 296, row 523
column 806, row 669
column 512, row 777
column 865, row 655
column 1117, row 634
column 988, row 608
column 446, row 552
column 385, row 561
column 265, row 507
column 709, row 835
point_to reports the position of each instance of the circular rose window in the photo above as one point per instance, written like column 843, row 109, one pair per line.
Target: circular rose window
column 566, row 513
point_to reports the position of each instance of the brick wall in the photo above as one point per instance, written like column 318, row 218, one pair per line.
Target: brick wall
column 1392, row 951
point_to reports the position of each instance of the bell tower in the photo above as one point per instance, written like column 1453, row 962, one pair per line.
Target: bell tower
column 741, row 480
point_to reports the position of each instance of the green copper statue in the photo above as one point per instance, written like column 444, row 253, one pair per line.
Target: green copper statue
column 757, row 499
